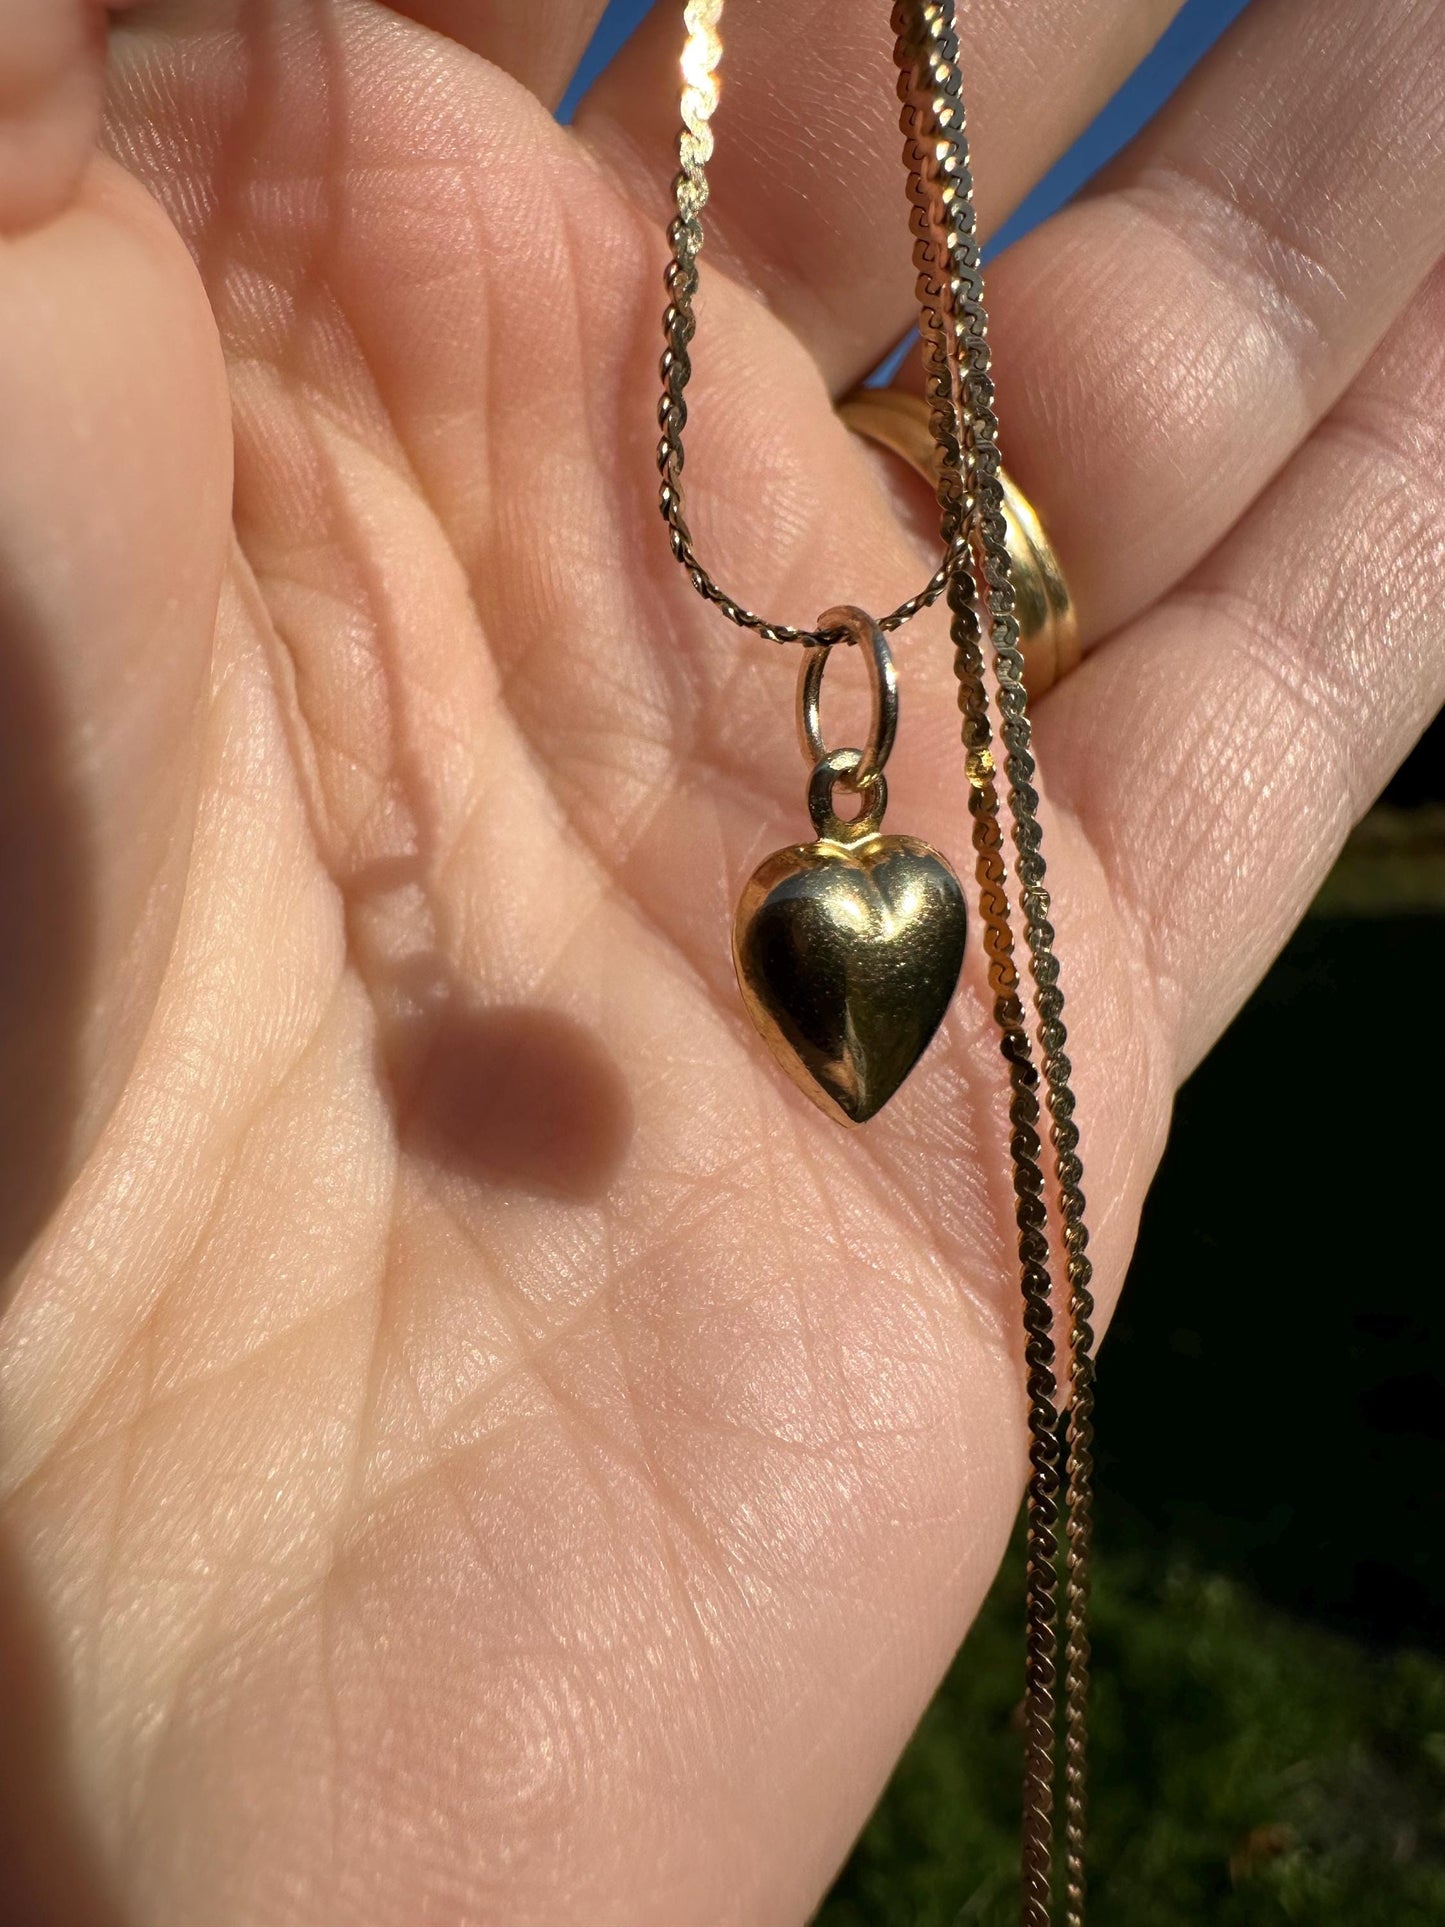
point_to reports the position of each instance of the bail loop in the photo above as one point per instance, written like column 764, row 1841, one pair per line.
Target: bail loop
column 855, row 627
column 845, row 766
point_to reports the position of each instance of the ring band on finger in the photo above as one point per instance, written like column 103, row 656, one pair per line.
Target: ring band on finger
column 898, row 420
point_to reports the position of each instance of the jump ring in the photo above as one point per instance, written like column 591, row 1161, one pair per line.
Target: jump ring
column 856, row 627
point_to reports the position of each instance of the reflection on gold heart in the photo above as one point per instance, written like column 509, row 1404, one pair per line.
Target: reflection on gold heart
column 847, row 955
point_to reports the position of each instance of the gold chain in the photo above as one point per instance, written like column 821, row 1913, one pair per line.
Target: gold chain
column 958, row 365
column 700, row 59
column 976, row 576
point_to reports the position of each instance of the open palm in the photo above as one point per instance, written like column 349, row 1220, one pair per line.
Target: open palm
column 477, row 1446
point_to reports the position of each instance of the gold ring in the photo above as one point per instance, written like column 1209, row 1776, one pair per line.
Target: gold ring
column 896, row 419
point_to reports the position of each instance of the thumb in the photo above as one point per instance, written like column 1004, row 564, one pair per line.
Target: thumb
column 114, row 511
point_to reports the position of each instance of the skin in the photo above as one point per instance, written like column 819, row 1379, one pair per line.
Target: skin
column 475, row 1445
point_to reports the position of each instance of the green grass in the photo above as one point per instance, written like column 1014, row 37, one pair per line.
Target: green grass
column 1249, row 1771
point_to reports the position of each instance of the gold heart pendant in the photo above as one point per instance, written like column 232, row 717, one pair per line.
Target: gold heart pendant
column 848, row 949
column 847, row 953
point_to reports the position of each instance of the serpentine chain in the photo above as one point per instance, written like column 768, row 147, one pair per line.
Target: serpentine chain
column 701, row 56
column 954, row 325
column 975, row 576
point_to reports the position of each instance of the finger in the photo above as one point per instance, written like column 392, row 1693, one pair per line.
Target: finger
column 1218, row 751
column 1166, row 344
column 50, row 63
column 808, row 176
column 540, row 44
column 113, row 506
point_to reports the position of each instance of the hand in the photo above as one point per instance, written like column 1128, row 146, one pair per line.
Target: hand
column 477, row 1446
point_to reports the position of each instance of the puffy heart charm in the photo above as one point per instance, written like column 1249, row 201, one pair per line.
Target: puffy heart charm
column 848, row 949
column 847, row 953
